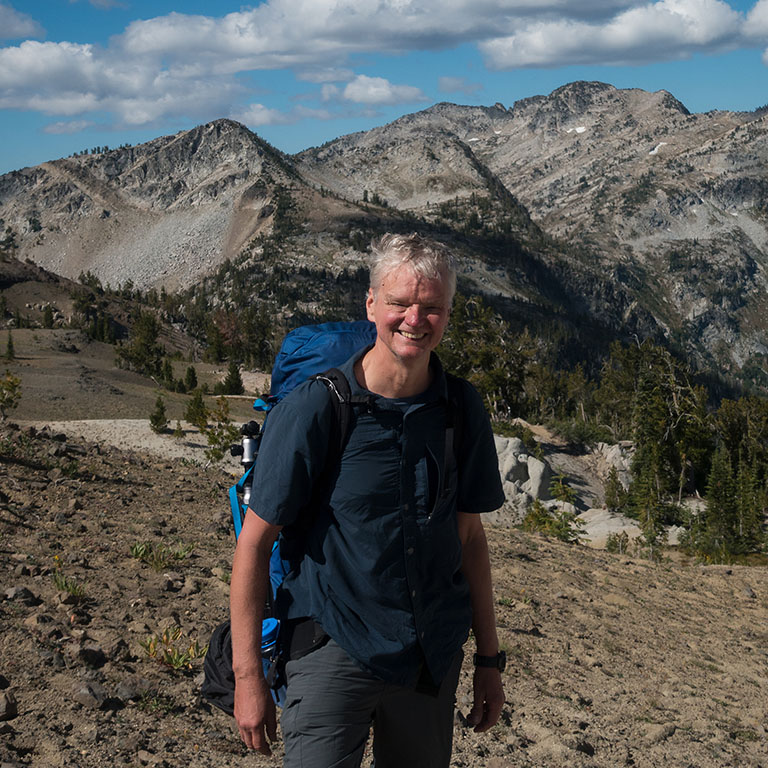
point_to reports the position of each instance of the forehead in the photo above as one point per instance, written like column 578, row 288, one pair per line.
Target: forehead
column 406, row 281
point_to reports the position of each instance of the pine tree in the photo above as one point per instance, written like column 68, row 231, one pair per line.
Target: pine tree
column 158, row 420
column 196, row 412
column 233, row 383
column 166, row 373
column 47, row 316
column 749, row 513
column 190, row 379
column 221, row 433
column 615, row 495
column 9, row 351
column 142, row 353
column 720, row 519
column 560, row 489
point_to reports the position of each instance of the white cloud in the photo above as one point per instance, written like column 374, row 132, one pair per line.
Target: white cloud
column 458, row 85
column 378, row 90
column 187, row 65
column 326, row 75
column 668, row 29
column 323, row 33
column 71, row 79
column 257, row 115
column 15, row 25
column 330, row 92
column 68, row 126
column 756, row 25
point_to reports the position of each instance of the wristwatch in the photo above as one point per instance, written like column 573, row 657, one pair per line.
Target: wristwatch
column 499, row 661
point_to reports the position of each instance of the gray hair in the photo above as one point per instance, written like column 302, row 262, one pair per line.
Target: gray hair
column 427, row 258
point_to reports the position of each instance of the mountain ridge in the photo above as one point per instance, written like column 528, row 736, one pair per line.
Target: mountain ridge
column 619, row 192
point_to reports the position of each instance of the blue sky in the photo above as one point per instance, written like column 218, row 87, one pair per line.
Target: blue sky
column 75, row 74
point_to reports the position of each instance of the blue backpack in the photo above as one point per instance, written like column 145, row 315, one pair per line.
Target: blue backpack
column 306, row 352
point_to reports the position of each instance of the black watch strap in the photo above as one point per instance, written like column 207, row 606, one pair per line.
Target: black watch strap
column 499, row 661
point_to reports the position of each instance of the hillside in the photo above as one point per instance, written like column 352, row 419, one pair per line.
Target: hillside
column 613, row 661
column 588, row 214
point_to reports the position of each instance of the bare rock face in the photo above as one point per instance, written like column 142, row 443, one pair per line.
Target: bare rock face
column 524, row 479
column 672, row 206
column 162, row 212
column 659, row 215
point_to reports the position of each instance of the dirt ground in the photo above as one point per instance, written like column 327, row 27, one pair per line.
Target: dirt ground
column 613, row 661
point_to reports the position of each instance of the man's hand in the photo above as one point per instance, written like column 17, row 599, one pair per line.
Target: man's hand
column 255, row 713
column 488, row 699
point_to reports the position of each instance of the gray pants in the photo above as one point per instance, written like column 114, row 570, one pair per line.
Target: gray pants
column 332, row 703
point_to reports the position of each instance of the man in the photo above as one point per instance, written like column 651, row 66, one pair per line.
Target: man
column 394, row 563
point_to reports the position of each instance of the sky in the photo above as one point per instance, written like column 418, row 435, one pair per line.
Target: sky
column 77, row 74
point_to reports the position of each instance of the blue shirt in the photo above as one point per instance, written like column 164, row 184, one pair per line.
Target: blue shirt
column 381, row 570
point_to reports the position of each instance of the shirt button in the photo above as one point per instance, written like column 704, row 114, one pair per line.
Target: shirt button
column 413, row 594
column 422, row 635
column 410, row 550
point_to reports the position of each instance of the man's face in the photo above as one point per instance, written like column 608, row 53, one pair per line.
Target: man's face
column 410, row 313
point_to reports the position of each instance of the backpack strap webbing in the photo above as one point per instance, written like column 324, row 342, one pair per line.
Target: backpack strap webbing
column 343, row 406
column 454, row 423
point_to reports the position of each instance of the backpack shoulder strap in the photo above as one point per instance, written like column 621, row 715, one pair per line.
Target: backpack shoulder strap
column 343, row 406
column 454, row 425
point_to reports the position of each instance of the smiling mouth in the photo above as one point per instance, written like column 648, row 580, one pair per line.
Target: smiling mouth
column 412, row 336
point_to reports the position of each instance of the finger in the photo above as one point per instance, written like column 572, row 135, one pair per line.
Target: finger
column 475, row 715
column 254, row 739
column 482, row 721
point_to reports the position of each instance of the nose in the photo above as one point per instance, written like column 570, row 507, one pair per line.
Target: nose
column 414, row 315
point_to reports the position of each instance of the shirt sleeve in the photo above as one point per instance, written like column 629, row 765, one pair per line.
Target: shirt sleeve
column 292, row 454
column 480, row 488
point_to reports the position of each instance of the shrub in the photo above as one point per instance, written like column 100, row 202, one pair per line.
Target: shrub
column 170, row 648
column 10, row 393
column 160, row 556
column 158, row 421
column 196, row 412
column 559, row 523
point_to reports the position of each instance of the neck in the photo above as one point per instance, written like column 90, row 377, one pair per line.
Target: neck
column 383, row 374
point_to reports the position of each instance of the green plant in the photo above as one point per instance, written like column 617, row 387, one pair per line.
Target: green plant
column 160, row 556
column 10, row 393
column 67, row 584
column 560, row 489
column 158, row 421
column 153, row 702
column 618, row 543
column 190, row 378
column 9, row 351
column 233, row 383
column 196, row 412
column 560, row 523
column 171, row 648
column 221, row 434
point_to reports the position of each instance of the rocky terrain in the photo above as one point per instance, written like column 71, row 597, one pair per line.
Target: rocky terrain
column 613, row 660
column 672, row 204
column 112, row 539
column 611, row 210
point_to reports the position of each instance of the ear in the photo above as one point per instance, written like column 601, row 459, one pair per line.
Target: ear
column 369, row 306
